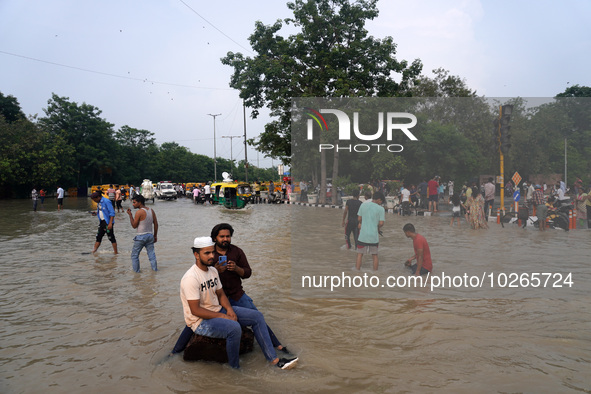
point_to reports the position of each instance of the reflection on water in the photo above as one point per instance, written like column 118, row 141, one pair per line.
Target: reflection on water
column 79, row 322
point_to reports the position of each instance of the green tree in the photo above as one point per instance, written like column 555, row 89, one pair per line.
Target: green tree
column 539, row 135
column 177, row 164
column 88, row 134
column 576, row 91
column 10, row 108
column 448, row 99
column 135, row 160
column 387, row 166
column 29, row 157
column 442, row 85
column 443, row 150
column 332, row 55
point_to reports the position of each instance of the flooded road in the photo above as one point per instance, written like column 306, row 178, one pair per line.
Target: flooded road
column 74, row 322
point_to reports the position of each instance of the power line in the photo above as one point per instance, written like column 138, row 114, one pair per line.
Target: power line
column 212, row 25
column 111, row 75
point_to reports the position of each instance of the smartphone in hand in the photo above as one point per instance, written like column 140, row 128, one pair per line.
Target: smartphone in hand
column 223, row 260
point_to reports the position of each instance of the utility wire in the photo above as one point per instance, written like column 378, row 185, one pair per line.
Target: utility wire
column 212, row 25
column 111, row 75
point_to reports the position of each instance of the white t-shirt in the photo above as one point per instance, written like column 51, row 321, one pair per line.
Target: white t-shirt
column 207, row 189
column 560, row 194
column 405, row 195
column 530, row 192
column 100, row 210
column 200, row 285
column 60, row 193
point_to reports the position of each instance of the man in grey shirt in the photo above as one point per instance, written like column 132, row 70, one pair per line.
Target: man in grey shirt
column 146, row 223
column 489, row 197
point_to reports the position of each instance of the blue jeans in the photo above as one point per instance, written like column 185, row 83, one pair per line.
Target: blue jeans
column 232, row 332
column 140, row 241
column 246, row 302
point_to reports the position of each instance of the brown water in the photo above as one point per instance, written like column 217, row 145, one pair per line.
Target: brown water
column 84, row 323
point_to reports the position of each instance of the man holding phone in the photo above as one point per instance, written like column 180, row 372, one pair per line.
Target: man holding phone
column 232, row 266
column 208, row 313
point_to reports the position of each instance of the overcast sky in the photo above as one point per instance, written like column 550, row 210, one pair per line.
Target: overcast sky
column 155, row 64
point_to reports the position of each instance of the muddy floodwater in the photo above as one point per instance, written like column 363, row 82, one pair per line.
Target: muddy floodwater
column 76, row 322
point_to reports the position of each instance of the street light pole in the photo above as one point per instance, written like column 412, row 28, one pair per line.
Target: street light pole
column 245, row 143
column 215, row 164
column 565, row 162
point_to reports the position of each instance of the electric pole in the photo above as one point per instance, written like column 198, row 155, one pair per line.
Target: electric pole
column 231, row 137
column 215, row 164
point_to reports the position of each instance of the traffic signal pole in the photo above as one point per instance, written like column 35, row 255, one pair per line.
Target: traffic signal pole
column 502, row 162
column 504, row 143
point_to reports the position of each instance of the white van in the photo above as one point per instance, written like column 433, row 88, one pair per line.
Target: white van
column 165, row 191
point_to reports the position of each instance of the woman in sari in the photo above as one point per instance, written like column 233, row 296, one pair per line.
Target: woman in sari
column 475, row 205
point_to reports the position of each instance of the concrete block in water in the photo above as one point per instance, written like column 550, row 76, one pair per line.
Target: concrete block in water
column 202, row 348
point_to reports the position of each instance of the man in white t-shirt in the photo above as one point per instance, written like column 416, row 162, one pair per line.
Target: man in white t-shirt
column 207, row 192
column 529, row 197
column 489, row 197
column 60, row 198
column 208, row 312
column 405, row 193
column 560, row 197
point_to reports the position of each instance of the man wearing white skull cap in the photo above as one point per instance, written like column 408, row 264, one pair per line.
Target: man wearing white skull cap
column 209, row 313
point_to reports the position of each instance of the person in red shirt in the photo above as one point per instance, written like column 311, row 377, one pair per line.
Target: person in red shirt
column 422, row 254
column 432, row 185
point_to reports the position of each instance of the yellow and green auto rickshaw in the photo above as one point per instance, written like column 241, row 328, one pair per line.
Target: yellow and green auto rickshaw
column 236, row 195
column 217, row 194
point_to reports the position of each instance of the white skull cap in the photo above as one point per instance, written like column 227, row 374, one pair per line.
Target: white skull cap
column 203, row 242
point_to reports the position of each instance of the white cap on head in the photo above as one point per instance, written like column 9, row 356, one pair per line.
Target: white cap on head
column 202, row 242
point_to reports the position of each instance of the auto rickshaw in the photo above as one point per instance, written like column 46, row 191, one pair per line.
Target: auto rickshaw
column 236, row 195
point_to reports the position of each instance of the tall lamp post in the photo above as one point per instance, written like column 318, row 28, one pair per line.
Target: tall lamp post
column 215, row 164
column 565, row 162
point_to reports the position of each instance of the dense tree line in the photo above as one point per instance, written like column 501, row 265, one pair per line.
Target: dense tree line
column 73, row 146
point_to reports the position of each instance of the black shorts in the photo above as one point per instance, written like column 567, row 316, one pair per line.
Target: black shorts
column 118, row 203
column 102, row 230
column 413, row 268
column 60, row 201
column 434, row 197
